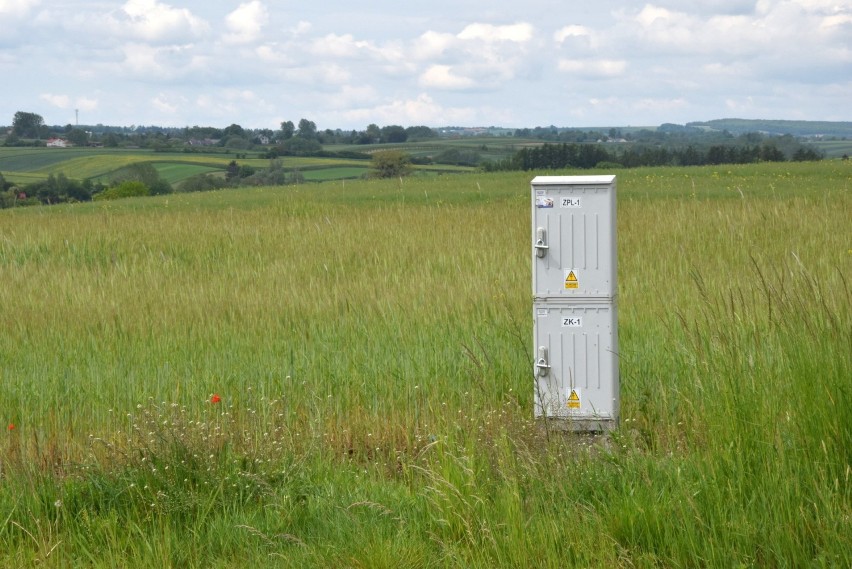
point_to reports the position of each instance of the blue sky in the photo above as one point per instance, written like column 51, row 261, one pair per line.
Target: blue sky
column 347, row 64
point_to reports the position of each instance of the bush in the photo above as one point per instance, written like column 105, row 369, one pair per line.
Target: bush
column 202, row 183
column 390, row 164
column 128, row 189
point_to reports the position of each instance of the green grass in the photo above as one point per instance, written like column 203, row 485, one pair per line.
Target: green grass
column 174, row 172
column 28, row 165
column 371, row 345
column 323, row 174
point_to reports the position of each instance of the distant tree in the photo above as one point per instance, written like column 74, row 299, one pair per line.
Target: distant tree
column 27, row 125
column 420, row 133
column 373, row 134
column 78, row 137
column 233, row 171
column 390, row 164
column 234, row 130
column 394, row 134
column 59, row 188
column 805, row 154
column 771, row 153
column 145, row 173
column 288, row 129
column 307, row 129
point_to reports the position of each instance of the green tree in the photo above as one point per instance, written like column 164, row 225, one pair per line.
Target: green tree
column 420, row 133
column 307, row 129
column 233, row 171
column 78, row 137
column 234, row 130
column 27, row 125
column 373, row 134
column 390, row 164
column 288, row 129
column 146, row 173
column 394, row 134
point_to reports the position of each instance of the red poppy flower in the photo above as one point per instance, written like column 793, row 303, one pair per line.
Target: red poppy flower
column 11, row 426
column 215, row 398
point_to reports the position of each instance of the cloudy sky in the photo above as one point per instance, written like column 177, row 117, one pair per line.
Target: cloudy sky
column 346, row 64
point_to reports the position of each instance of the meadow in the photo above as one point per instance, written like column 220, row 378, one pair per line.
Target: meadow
column 340, row 375
column 28, row 165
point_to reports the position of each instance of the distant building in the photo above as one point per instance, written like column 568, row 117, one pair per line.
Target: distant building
column 57, row 143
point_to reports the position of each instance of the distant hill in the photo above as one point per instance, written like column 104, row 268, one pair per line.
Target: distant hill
column 796, row 128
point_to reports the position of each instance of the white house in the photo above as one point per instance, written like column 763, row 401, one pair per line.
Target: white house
column 57, row 143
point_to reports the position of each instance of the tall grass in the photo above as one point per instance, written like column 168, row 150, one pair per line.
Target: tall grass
column 369, row 344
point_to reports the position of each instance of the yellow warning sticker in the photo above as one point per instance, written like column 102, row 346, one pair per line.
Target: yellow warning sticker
column 574, row 399
column 571, row 279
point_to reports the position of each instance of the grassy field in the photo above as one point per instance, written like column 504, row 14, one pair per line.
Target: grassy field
column 27, row 165
column 341, row 375
column 834, row 148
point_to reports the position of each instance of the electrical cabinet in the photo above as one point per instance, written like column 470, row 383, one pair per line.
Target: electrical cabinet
column 575, row 301
column 573, row 236
column 576, row 367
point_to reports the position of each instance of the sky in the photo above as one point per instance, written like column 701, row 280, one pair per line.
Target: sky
column 345, row 64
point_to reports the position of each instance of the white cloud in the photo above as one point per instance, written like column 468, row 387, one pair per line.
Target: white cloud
column 319, row 75
column 246, row 23
column 146, row 60
column 572, row 31
column 419, row 110
column 162, row 104
column 228, row 103
column 17, row 8
column 61, row 101
column 152, row 21
column 651, row 16
column 480, row 57
column 593, row 67
column 352, row 96
column 345, row 46
column 443, row 77
column 519, row 33
column 273, row 53
column 301, row 28
column 740, row 105
column 86, row 103
column 16, row 19
column 432, row 44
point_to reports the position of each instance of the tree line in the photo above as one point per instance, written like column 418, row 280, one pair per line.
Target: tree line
column 572, row 155
column 29, row 129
